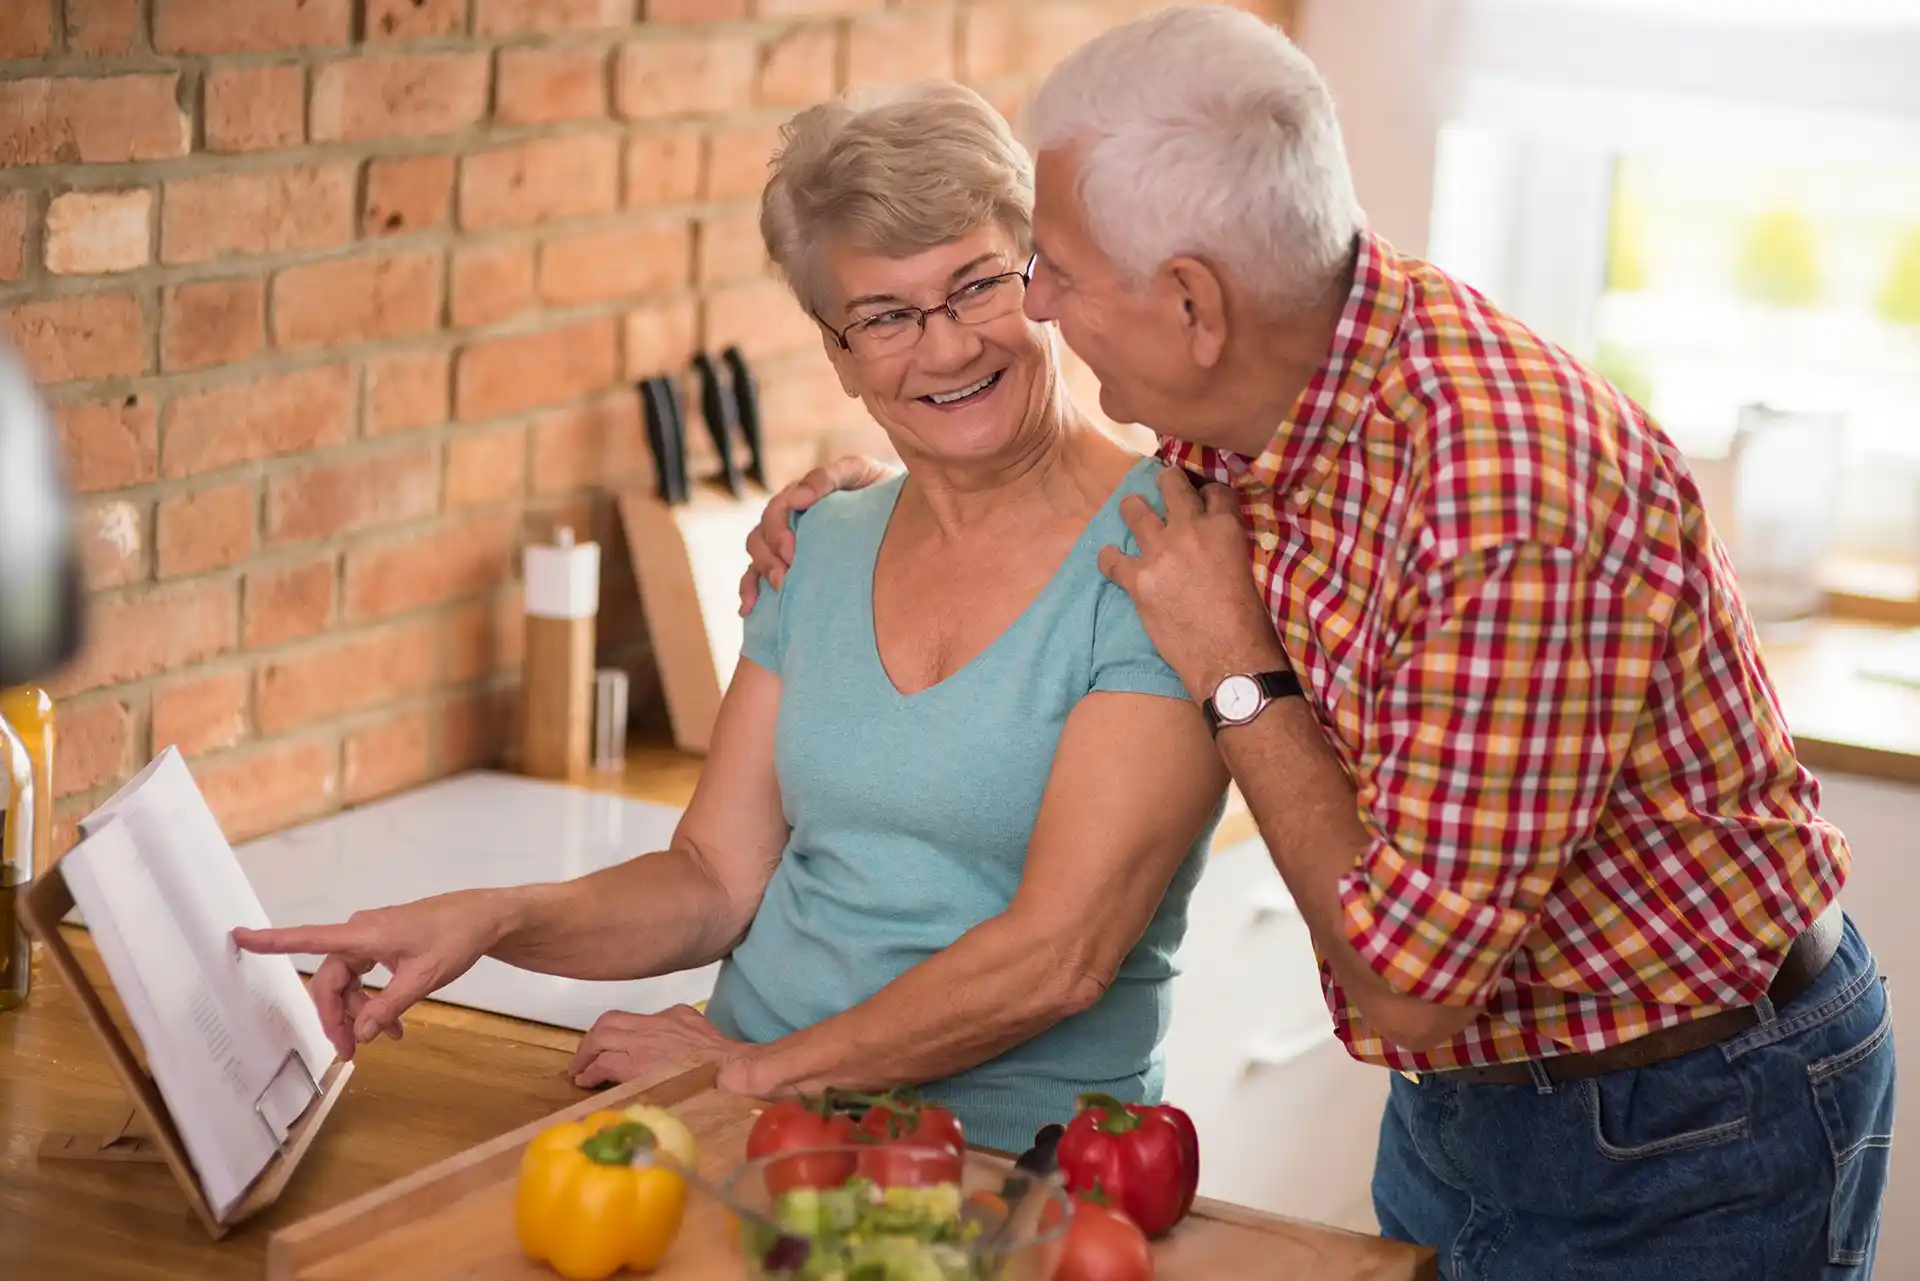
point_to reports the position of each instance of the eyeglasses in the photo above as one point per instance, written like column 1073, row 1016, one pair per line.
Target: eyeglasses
column 899, row 328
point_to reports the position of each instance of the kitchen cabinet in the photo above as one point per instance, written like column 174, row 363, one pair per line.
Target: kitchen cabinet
column 1882, row 895
column 1287, row 1119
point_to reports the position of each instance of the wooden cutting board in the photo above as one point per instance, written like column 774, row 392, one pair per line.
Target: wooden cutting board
column 455, row 1219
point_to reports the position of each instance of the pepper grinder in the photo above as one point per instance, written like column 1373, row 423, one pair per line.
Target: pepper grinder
column 556, row 691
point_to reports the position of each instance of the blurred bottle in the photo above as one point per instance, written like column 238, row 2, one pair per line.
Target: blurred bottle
column 26, row 826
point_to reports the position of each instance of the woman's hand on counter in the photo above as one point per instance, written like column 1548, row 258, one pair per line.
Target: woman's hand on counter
column 424, row 945
column 620, row 1046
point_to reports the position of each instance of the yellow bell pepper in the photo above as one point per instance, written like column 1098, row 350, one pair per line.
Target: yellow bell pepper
column 585, row 1207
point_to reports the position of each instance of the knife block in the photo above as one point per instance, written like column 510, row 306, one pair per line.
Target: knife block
column 688, row 558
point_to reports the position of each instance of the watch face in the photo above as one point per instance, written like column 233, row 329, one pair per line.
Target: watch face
column 1236, row 698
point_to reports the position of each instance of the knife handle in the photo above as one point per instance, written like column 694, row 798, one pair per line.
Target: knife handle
column 718, row 409
column 663, row 409
column 655, row 410
column 746, row 399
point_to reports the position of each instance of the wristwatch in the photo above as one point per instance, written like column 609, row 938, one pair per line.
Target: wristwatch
column 1241, row 696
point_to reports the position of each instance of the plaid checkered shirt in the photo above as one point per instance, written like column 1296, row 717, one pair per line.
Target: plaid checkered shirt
column 1494, row 576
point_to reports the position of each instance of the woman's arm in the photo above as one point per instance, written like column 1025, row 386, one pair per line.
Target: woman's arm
column 1133, row 781
column 653, row 914
column 689, row 904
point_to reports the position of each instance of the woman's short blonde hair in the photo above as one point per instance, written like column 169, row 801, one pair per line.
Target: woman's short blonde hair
column 923, row 166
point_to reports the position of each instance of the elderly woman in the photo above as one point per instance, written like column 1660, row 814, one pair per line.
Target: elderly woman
column 955, row 804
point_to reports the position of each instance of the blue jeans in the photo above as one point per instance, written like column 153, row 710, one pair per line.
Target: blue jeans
column 1763, row 1158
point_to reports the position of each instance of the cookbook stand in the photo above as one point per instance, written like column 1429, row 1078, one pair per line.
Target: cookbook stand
column 688, row 557
column 41, row 910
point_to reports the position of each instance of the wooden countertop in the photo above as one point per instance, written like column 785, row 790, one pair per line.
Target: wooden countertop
column 1840, row 719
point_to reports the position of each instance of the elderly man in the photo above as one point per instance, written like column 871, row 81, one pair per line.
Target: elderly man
column 1489, row 689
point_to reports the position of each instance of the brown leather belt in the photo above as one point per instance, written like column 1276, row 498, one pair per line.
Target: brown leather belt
column 1805, row 959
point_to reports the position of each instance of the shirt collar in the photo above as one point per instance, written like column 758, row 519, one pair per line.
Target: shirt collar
column 1302, row 450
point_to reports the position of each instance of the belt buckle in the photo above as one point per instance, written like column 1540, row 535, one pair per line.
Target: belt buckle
column 1411, row 1076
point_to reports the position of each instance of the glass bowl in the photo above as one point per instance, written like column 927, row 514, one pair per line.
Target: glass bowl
column 925, row 1209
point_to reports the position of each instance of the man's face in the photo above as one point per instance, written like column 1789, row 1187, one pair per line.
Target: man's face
column 1132, row 341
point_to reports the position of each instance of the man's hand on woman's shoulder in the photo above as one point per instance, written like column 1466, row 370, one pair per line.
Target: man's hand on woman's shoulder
column 770, row 545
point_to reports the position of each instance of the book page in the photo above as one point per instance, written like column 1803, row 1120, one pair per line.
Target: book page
column 226, row 1030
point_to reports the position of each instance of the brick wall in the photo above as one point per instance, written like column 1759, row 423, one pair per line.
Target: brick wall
column 339, row 302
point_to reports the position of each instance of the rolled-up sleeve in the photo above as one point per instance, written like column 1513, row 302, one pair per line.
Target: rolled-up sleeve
column 1494, row 742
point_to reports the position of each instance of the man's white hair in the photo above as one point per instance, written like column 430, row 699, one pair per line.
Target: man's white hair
column 1204, row 131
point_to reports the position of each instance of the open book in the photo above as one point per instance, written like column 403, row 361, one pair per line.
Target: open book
column 232, row 1039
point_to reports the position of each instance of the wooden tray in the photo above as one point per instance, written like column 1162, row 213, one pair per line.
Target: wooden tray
column 455, row 1219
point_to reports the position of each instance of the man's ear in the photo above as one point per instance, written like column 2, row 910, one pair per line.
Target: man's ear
column 1202, row 297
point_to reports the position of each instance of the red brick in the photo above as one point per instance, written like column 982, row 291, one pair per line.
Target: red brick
column 112, row 544
column 265, row 418
column 731, row 248
column 345, row 675
column 408, row 390
column 256, row 213
column 525, row 17
column 473, row 729
column 256, row 108
column 95, row 232
column 597, row 265
column 415, row 19
column 762, row 318
column 387, row 757
column 214, row 322
column 289, row 602
column 201, row 713
column 16, row 211
column 737, row 161
column 26, row 29
column 206, row 529
column 103, row 28
column 399, row 96
column 663, row 168
column 815, row 8
column 81, row 336
column 483, row 636
column 258, row 26
column 356, row 300
column 696, row 10
column 800, row 68
column 491, row 283
column 467, row 558
column 110, row 444
column 538, row 86
column 684, row 75
column 93, row 737
column 261, row 791
column 152, row 630
column 540, row 180
column 407, row 193
column 989, row 42
column 507, row 375
column 486, row 467
column 1049, row 33
column 337, row 498
column 580, row 448
column 661, row 336
column 104, row 120
column 898, row 48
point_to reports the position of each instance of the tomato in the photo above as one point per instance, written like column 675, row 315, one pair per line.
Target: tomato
column 917, row 1127
column 793, row 1124
column 921, row 1124
column 1102, row 1244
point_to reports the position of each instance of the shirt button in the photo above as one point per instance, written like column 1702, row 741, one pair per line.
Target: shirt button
column 1301, row 495
column 1267, row 539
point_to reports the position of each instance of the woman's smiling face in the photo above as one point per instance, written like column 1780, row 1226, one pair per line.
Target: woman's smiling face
column 958, row 392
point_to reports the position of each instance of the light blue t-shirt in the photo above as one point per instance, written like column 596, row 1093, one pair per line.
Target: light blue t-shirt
column 910, row 814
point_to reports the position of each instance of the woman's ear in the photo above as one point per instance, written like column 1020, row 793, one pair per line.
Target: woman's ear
column 1202, row 298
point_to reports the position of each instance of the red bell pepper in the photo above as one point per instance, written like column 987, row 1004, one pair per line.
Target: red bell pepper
column 1144, row 1158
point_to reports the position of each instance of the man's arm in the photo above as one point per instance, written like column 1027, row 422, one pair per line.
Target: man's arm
column 1132, row 785
column 1496, row 738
